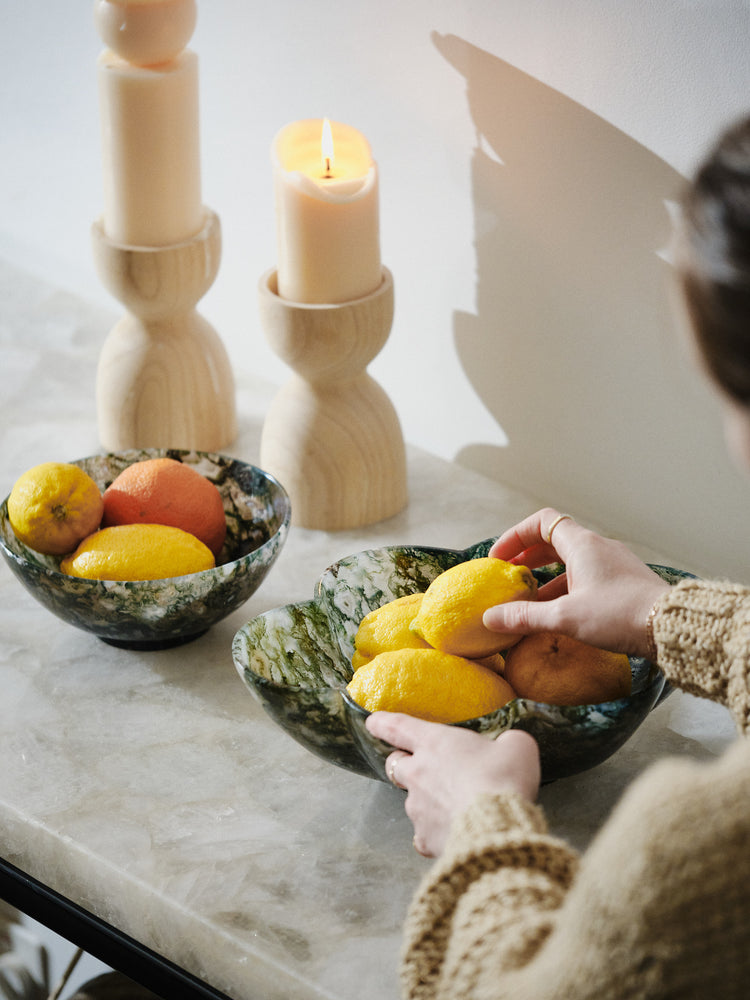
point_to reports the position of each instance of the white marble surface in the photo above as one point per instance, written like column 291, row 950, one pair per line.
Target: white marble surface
column 152, row 789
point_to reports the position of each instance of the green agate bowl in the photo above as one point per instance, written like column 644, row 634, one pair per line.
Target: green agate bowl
column 153, row 614
column 296, row 660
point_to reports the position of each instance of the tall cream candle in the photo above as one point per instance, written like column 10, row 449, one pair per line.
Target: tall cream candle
column 326, row 213
column 148, row 91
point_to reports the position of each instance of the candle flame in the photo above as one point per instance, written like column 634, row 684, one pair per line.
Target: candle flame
column 326, row 148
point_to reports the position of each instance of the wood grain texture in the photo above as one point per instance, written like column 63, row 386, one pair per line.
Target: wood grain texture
column 331, row 435
column 164, row 377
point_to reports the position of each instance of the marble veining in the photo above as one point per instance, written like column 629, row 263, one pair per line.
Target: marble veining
column 151, row 788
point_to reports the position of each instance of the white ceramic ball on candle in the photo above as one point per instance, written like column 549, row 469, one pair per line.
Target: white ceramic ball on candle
column 145, row 32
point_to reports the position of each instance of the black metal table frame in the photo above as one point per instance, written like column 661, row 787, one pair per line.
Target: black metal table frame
column 98, row 938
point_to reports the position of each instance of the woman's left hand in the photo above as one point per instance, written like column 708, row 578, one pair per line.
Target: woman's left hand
column 443, row 769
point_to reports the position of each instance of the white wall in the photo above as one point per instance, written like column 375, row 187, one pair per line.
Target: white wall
column 526, row 150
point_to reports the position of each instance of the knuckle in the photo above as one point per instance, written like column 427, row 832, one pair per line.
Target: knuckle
column 518, row 615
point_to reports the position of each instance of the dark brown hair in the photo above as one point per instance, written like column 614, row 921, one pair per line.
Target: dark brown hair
column 715, row 264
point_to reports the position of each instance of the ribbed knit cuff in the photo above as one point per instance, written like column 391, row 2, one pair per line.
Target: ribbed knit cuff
column 504, row 831
column 493, row 813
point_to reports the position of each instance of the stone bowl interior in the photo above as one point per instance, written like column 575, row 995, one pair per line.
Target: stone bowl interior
column 296, row 660
column 151, row 614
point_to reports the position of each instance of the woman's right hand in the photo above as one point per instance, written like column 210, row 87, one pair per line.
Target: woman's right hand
column 603, row 598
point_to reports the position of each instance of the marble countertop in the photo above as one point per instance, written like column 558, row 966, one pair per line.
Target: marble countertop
column 151, row 788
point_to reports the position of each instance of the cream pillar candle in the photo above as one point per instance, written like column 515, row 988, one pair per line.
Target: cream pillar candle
column 148, row 89
column 326, row 214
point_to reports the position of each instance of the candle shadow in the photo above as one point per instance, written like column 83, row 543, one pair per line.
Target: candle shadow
column 585, row 377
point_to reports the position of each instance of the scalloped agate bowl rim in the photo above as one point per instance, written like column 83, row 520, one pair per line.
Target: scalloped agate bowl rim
column 148, row 614
column 295, row 660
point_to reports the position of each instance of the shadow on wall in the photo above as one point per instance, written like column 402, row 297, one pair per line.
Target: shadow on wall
column 572, row 348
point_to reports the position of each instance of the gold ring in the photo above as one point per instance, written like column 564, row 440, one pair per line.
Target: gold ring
column 560, row 517
column 391, row 769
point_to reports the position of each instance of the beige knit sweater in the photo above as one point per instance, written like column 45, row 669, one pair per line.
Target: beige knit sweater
column 659, row 905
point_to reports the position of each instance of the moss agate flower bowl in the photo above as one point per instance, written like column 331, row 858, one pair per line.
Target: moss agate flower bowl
column 296, row 660
column 151, row 614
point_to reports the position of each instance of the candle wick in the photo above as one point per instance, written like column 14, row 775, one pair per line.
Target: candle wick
column 328, row 172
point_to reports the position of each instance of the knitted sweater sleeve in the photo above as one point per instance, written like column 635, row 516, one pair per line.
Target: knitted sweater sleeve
column 702, row 635
column 509, row 911
column 659, row 905
column 466, row 919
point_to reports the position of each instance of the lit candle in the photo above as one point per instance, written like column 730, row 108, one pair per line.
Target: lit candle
column 148, row 89
column 326, row 186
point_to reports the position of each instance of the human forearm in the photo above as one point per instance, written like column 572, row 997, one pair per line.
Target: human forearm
column 490, row 901
column 659, row 905
column 702, row 634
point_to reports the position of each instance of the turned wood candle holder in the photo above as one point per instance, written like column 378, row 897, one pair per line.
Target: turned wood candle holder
column 164, row 379
column 331, row 435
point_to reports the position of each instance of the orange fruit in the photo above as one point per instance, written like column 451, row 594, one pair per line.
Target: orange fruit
column 165, row 491
column 53, row 506
column 428, row 684
column 138, row 552
column 559, row 670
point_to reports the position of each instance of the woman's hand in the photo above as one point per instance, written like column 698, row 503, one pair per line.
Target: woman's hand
column 603, row 598
column 443, row 768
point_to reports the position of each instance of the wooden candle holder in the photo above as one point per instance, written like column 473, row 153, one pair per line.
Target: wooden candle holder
column 331, row 435
column 164, row 379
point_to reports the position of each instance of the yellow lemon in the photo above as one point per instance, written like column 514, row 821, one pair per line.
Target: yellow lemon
column 495, row 662
column 559, row 670
column 428, row 684
column 358, row 660
column 138, row 552
column 53, row 506
column 387, row 628
column 450, row 616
